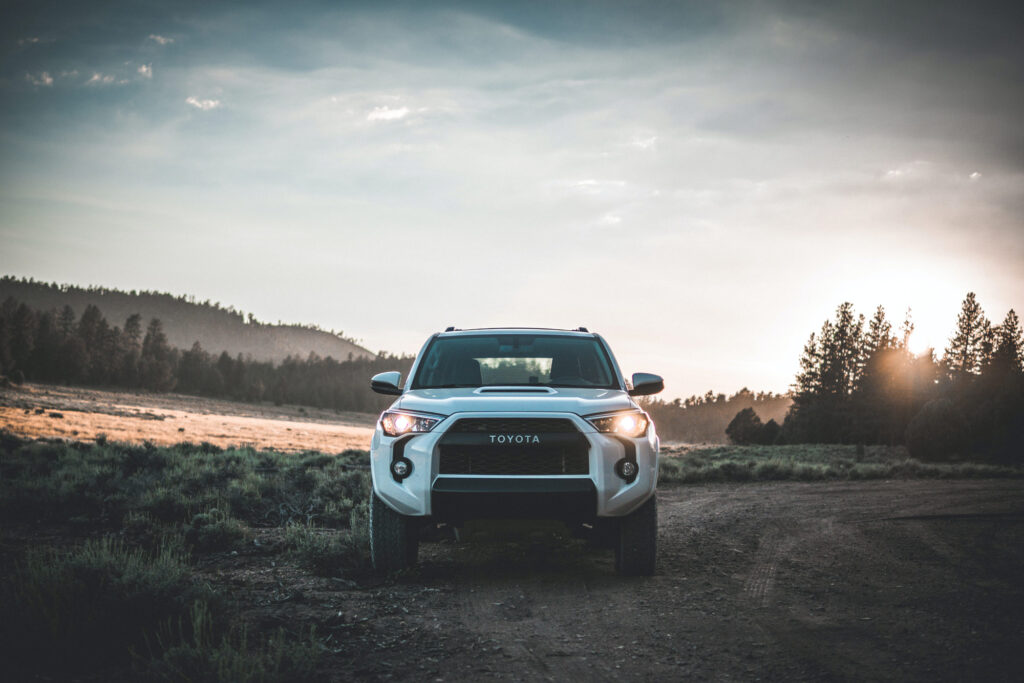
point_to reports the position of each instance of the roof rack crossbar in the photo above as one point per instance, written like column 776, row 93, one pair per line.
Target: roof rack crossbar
column 452, row 328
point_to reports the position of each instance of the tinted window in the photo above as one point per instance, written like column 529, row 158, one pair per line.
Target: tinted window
column 520, row 359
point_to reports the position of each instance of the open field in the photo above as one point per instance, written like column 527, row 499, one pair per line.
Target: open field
column 41, row 410
column 138, row 562
column 880, row 580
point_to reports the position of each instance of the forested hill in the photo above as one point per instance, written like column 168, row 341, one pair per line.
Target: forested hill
column 186, row 321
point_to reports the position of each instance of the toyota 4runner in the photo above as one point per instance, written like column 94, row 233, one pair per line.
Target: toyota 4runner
column 515, row 423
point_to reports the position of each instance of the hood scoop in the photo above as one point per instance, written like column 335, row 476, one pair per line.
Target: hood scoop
column 515, row 390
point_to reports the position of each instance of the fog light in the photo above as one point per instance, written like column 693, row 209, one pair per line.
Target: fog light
column 627, row 469
column 401, row 468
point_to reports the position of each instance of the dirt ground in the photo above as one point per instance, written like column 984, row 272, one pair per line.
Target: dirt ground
column 894, row 580
column 41, row 410
column 881, row 580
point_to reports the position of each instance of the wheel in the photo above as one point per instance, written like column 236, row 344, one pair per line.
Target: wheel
column 605, row 534
column 636, row 550
column 394, row 538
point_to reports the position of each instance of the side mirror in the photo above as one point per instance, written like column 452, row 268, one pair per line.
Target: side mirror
column 387, row 383
column 644, row 383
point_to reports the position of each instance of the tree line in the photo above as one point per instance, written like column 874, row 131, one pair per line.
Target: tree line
column 58, row 346
column 187, row 320
column 859, row 383
column 704, row 419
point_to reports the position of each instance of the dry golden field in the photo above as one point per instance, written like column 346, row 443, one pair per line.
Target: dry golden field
column 39, row 410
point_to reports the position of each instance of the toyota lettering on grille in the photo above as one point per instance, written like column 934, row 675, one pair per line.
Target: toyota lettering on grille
column 514, row 438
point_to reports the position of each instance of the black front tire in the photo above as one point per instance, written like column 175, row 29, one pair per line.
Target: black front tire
column 394, row 537
column 637, row 548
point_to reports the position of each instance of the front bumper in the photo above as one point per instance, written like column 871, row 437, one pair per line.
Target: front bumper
column 604, row 492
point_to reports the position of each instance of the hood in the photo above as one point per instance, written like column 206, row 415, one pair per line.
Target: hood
column 514, row 400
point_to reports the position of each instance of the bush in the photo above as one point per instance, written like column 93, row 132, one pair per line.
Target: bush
column 809, row 463
column 195, row 651
column 140, row 530
column 104, row 482
column 215, row 531
column 937, row 432
column 93, row 605
column 746, row 428
column 327, row 552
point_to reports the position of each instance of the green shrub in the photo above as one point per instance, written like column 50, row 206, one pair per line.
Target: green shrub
column 93, row 605
column 141, row 530
column 325, row 552
column 102, row 483
column 196, row 651
column 166, row 503
column 938, row 432
column 215, row 531
column 802, row 462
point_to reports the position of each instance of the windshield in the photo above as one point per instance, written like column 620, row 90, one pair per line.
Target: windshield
column 514, row 360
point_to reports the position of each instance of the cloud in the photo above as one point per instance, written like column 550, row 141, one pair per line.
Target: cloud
column 161, row 40
column 28, row 41
column 43, row 78
column 387, row 113
column 203, row 105
column 914, row 170
column 100, row 79
column 590, row 186
column 644, row 143
column 610, row 219
column 146, row 70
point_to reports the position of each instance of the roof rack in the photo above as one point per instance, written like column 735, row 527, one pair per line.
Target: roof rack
column 452, row 328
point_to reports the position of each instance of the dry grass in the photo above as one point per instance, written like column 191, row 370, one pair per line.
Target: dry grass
column 87, row 414
column 693, row 464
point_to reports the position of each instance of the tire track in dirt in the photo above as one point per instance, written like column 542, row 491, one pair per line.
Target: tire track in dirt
column 758, row 585
column 533, row 627
column 781, row 582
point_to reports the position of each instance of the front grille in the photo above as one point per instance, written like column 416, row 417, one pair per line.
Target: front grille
column 517, row 425
column 558, row 447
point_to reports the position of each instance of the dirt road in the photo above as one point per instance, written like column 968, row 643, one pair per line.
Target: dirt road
column 907, row 580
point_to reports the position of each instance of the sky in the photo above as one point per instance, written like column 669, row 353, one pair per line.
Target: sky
column 702, row 183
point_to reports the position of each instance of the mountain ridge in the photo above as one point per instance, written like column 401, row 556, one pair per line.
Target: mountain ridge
column 186, row 321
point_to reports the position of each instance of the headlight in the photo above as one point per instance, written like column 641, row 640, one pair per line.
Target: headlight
column 398, row 422
column 632, row 423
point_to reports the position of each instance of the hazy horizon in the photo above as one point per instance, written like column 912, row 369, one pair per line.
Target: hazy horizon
column 702, row 185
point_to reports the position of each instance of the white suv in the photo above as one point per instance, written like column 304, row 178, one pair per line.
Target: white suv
column 515, row 423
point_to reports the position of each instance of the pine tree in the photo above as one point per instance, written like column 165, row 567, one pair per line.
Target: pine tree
column 133, row 329
column 970, row 348
column 808, row 381
column 906, row 329
column 22, row 336
column 6, row 312
column 1009, row 345
column 156, row 370
column 66, row 321
column 879, row 336
column 841, row 351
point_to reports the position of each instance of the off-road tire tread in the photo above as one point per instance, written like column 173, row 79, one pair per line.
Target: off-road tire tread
column 636, row 550
column 394, row 542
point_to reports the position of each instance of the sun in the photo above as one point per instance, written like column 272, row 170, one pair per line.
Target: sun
column 919, row 345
